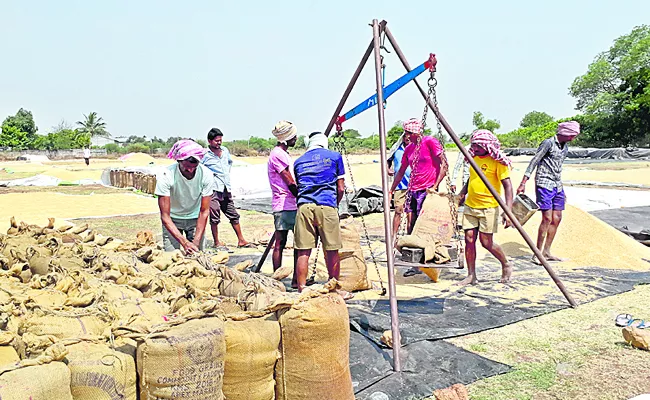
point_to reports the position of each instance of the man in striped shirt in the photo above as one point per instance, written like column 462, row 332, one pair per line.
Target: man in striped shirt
column 548, row 184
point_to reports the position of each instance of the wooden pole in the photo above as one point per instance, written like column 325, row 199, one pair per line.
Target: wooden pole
column 388, row 226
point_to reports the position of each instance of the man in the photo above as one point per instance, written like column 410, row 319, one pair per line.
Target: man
column 283, row 188
column 429, row 171
column 548, row 184
column 87, row 155
column 428, row 168
column 399, row 197
column 320, row 177
column 184, row 190
column 218, row 161
column 481, row 214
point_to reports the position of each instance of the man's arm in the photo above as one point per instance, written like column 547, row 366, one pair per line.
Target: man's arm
column 507, row 187
column 541, row 152
column 444, row 167
column 340, row 190
column 164, row 204
column 291, row 183
column 399, row 176
column 463, row 194
column 202, row 222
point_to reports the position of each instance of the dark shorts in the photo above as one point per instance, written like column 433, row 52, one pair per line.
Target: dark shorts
column 87, row 160
column 284, row 220
column 187, row 227
column 414, row 204
column 222, row 202
column 550, row 199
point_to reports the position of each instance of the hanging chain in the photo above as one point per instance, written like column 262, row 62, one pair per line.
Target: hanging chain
column 453, row 207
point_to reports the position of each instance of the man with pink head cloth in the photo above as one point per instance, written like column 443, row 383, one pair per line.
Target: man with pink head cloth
column 548, row 184
column 428, row 167
column 481, row 211
column 184, row 190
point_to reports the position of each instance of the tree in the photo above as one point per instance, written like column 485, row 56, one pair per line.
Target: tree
column 351, row 134
column 535, row 118
column 18, row 131
column 93, row 126
column 480, row 123
column 596, row 90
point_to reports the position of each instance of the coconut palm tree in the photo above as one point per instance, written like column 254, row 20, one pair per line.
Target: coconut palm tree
column 93, row 126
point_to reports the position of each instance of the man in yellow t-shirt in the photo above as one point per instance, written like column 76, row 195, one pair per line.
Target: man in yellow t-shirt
column 481, row 214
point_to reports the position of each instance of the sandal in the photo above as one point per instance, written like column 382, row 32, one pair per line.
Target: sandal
column 641, row 325
column 623, row 320
column 411, row 272
column 247, row 246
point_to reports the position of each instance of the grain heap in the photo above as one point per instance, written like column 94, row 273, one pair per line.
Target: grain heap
column 81, row 313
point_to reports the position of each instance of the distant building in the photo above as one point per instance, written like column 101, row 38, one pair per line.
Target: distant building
column 101, row 141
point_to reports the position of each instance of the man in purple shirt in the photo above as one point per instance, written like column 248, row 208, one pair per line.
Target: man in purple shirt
column 283, row 188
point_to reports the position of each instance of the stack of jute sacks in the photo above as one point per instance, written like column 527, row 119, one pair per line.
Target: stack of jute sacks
column 138, row 180
column 86, row 317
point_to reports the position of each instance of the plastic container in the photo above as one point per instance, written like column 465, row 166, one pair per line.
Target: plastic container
column 523, row 207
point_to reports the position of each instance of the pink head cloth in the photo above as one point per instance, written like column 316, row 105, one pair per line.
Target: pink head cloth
column 491, row 144
column 413, row 125
column 184, row 149
column 569, row 129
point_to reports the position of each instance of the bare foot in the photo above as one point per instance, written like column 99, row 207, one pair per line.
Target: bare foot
column 346, row 295
column 551, row 257
column 506, row 272
column 470, row 280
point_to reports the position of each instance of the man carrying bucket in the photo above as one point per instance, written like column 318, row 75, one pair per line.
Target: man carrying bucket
column 481, row 214
column 548, row 184
column 184, row 190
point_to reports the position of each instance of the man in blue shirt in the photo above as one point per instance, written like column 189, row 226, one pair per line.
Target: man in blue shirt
column 399, row 197
column 320, row 178
column 218, row 161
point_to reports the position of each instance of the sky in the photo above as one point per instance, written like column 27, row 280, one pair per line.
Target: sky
column 170, row 68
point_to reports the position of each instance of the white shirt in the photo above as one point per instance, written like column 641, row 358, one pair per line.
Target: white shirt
column 86, row 153
column 185, row 194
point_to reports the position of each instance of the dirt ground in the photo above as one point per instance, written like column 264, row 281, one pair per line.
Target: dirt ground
column 564, row 355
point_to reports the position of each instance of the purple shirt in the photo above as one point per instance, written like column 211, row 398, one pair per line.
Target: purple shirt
column 283, row 200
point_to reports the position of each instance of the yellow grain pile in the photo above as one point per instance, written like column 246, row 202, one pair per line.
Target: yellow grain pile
column 583, row 240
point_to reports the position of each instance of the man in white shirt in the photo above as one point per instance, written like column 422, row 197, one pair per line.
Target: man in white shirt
column 184, row 190
column 87, row 155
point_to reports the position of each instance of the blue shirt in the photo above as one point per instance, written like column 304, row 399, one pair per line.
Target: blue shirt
column 316, row 174
column 397, row 162
column 220, row 167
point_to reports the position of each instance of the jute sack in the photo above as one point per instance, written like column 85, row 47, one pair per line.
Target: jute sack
column 251, row 353
column 184, row 362
column 8, row 355
column 65, row 327
column 101, row 373
column 435, row 218
column 315, row 350
column 354, row 272
column 40, row 382
column 141, row 313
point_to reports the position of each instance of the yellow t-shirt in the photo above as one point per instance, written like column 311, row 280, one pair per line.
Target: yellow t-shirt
column 478, row 195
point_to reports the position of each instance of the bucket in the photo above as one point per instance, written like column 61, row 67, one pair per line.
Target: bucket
column 523, row 207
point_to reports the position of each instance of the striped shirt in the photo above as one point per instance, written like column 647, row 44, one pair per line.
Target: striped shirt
column 548, row 161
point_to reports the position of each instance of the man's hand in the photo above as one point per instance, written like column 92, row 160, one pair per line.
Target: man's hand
column 461, row 198
column 453, row 188
column 189, row 247
column 506, row 221
column 521, row 188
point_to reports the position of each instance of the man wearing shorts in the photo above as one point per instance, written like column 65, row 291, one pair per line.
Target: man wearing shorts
column 218, row 161
column 283, row 188
column 320, row 177
column 481, row 214
column 399, row 196
column 429, row 171
column 548, row 184
column 184, row 190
